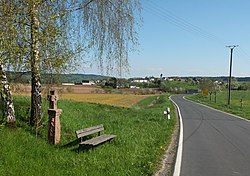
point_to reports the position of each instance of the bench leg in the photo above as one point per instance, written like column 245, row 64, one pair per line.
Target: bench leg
column 80, row 148
column 110, row 140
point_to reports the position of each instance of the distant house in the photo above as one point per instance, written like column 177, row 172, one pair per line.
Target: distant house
column 99, row 81
column 88, row 83
column 163, row 78
column 68, row 84
column 140, row 80
column 134, row 87
column 83, row 82
column 152, row 79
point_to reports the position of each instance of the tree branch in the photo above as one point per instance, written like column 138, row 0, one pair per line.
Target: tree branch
column 73, row 10
column 18, row 76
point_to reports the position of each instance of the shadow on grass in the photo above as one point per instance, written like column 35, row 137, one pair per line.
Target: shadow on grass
column 71, row 144
column 75, row 146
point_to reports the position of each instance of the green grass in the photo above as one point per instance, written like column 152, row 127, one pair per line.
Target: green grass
column 221, row 104
column 141, row 131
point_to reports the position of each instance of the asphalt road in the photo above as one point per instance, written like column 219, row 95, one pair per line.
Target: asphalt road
column 214, row 143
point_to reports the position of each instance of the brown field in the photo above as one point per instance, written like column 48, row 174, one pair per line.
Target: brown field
column 76, row 89
column 89, row 94
column 125, row 100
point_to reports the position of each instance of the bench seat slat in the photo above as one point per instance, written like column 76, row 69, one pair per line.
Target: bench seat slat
column 88, row 131
column 98, row 140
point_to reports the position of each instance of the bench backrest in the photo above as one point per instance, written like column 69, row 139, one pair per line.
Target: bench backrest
column 87, row 131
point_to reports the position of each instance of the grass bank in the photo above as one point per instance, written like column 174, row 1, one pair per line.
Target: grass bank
column 142, row 136
column 236, row 107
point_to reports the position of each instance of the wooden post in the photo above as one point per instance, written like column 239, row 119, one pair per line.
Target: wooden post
column 241, row 103
column 54, row 118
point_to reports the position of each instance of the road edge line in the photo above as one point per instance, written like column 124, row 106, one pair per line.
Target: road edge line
column 177, row 168
column 236, row 116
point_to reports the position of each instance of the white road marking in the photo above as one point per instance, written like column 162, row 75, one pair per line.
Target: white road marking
column 177, row 168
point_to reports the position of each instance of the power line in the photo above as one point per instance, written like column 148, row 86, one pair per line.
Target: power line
column 170, row 17
column 244, row 53
column 184, row 25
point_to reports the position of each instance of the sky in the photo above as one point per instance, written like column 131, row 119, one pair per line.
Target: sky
column 189, row 38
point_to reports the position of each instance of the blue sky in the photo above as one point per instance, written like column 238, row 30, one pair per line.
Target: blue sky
column 189, row 38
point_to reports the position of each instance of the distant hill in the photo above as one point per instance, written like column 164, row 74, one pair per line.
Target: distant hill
column 245, row 79
column 56, row 78
column 222, row 78
column 79, row 77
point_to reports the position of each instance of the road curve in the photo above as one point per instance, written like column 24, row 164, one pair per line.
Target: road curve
column 214, row 143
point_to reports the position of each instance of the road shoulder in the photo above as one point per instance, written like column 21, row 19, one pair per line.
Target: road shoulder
column 168, row 161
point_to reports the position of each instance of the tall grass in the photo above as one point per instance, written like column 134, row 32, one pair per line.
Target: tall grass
column 142, row 134
column 236, row 107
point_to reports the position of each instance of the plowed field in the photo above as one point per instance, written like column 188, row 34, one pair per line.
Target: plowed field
column 125, row 100
column 86, row 94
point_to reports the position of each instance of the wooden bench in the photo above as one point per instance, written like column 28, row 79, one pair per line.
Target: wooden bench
column 93, row 141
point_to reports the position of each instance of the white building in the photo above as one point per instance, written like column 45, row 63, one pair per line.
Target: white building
column 68, row 84
column 140, row 80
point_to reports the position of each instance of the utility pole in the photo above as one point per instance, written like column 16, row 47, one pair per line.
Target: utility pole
column 230, row 73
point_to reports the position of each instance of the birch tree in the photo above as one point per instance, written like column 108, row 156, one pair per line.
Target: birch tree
column 8, row 45
column 58, row 34
column 106, row 29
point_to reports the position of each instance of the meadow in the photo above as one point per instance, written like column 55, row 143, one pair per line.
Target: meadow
column 240, row 102
column 142, row 138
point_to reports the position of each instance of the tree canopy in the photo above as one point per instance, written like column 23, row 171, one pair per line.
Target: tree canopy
column 51, row 36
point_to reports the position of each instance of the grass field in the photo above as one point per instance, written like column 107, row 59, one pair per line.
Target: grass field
column 235, row 108
column 142, row 136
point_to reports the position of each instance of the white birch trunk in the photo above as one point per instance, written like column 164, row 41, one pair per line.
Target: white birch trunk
column 36, row 92
column 7, row 98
